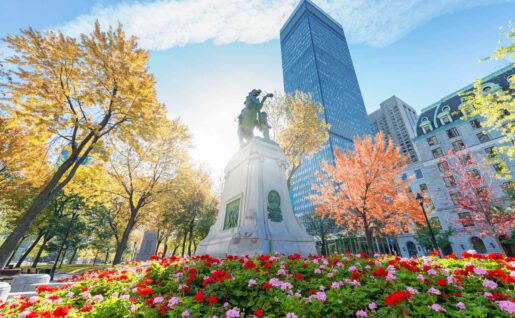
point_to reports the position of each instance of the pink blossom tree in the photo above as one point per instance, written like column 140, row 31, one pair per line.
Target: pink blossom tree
column 487, row 209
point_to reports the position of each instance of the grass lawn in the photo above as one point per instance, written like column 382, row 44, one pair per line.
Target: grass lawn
column 74, row 268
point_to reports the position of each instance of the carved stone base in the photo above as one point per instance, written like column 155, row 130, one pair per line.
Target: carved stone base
column 255, row 214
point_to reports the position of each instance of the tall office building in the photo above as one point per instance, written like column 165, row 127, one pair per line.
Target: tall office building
column 316, row 60
column 396, row 119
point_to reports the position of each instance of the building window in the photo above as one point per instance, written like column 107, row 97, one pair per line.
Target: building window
column 437, row 152
column 432, row 141
column 426, row 126
column 491, row 152
column 465, row 160
column 445, row 115
column 456, row 198
column 475, row 123
column 423, row 187
column 466, row 219
column 443, row 166
column 483, row 137
column 418, row 174
column 449, row 181
column 452, row 133
column 435, row 222
column 458, row 145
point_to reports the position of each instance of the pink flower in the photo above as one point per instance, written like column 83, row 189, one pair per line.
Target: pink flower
column 321, row 296
column 281, row 272
column 461, row 306
column 173, row 301
column 158, row 300
column 437, row 308
column 434, row 291
column 232, row 313
column 291, row 315
column 86, row 295
column 490, row 284
column 318, row 271
column 24, row 313
column 372, row 306
column 507, row 306
column 480, row 271
column 33, row 299
column 98, row 298
column 431, row 272
column 361, row 313
column 252, row 282
column 185, row 313
column 352, row 269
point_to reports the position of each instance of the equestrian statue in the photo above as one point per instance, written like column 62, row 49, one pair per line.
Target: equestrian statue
column 252, row 117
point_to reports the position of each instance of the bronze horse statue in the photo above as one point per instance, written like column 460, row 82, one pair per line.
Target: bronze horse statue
column 251, row 117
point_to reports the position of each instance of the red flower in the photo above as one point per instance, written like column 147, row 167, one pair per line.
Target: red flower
column 211, row 300
column 298, row 276
column 355, row 275
column 86, row 308
column 295, row 256
column 249, row 264
column 396, row 297
column 154, row 258
column 199, row 297
column 258, row 312
column 379, row 272
column 145, row 291
column 61, row 311
column 266, row 286
column 441, row 282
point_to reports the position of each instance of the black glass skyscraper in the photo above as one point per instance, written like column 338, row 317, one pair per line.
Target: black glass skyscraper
column 316, row 60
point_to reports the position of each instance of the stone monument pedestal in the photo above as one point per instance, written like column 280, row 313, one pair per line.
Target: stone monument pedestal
column 256, row 215
column 148, row 246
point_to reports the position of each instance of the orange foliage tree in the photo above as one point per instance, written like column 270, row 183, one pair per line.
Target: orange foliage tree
column 363, row 191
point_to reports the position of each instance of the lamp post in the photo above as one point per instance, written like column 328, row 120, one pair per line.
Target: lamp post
column 75, row 210
column 420, row 200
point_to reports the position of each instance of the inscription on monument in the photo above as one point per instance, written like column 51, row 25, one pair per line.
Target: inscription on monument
column 274, row 206
column 232, row 210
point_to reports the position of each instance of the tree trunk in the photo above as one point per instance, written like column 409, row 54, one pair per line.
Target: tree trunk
column 46, row 239
column 107, row 256
column 165, row 248
column 27, row 252
column 122, row 246
column 73, row 255
column 175, row 249
column 95, row 257
column 184, row 243
column 157, row 247
column 63, row 257
column 192, row 226
column 14, row 252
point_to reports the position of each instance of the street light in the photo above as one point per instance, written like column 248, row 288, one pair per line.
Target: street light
column 75, row 210
column 420, row 200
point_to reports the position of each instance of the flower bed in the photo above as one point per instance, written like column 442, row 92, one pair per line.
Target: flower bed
column 271, row 286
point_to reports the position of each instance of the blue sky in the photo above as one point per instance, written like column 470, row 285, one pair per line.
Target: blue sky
column 207, row 54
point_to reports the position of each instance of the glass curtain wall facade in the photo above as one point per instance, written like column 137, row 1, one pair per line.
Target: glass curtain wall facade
column 316, row 60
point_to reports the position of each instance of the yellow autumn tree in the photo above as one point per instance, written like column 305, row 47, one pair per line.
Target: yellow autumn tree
column 298, row 126
column 496, row 106
column 139, row 172
column 69, row 94
column 364, row 189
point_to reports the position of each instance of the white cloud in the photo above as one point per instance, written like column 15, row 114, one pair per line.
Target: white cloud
column 164, row 24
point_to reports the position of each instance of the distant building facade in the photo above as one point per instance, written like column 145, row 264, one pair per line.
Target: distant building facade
column 439, row 129
column 397, row 120
column 316, row 60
